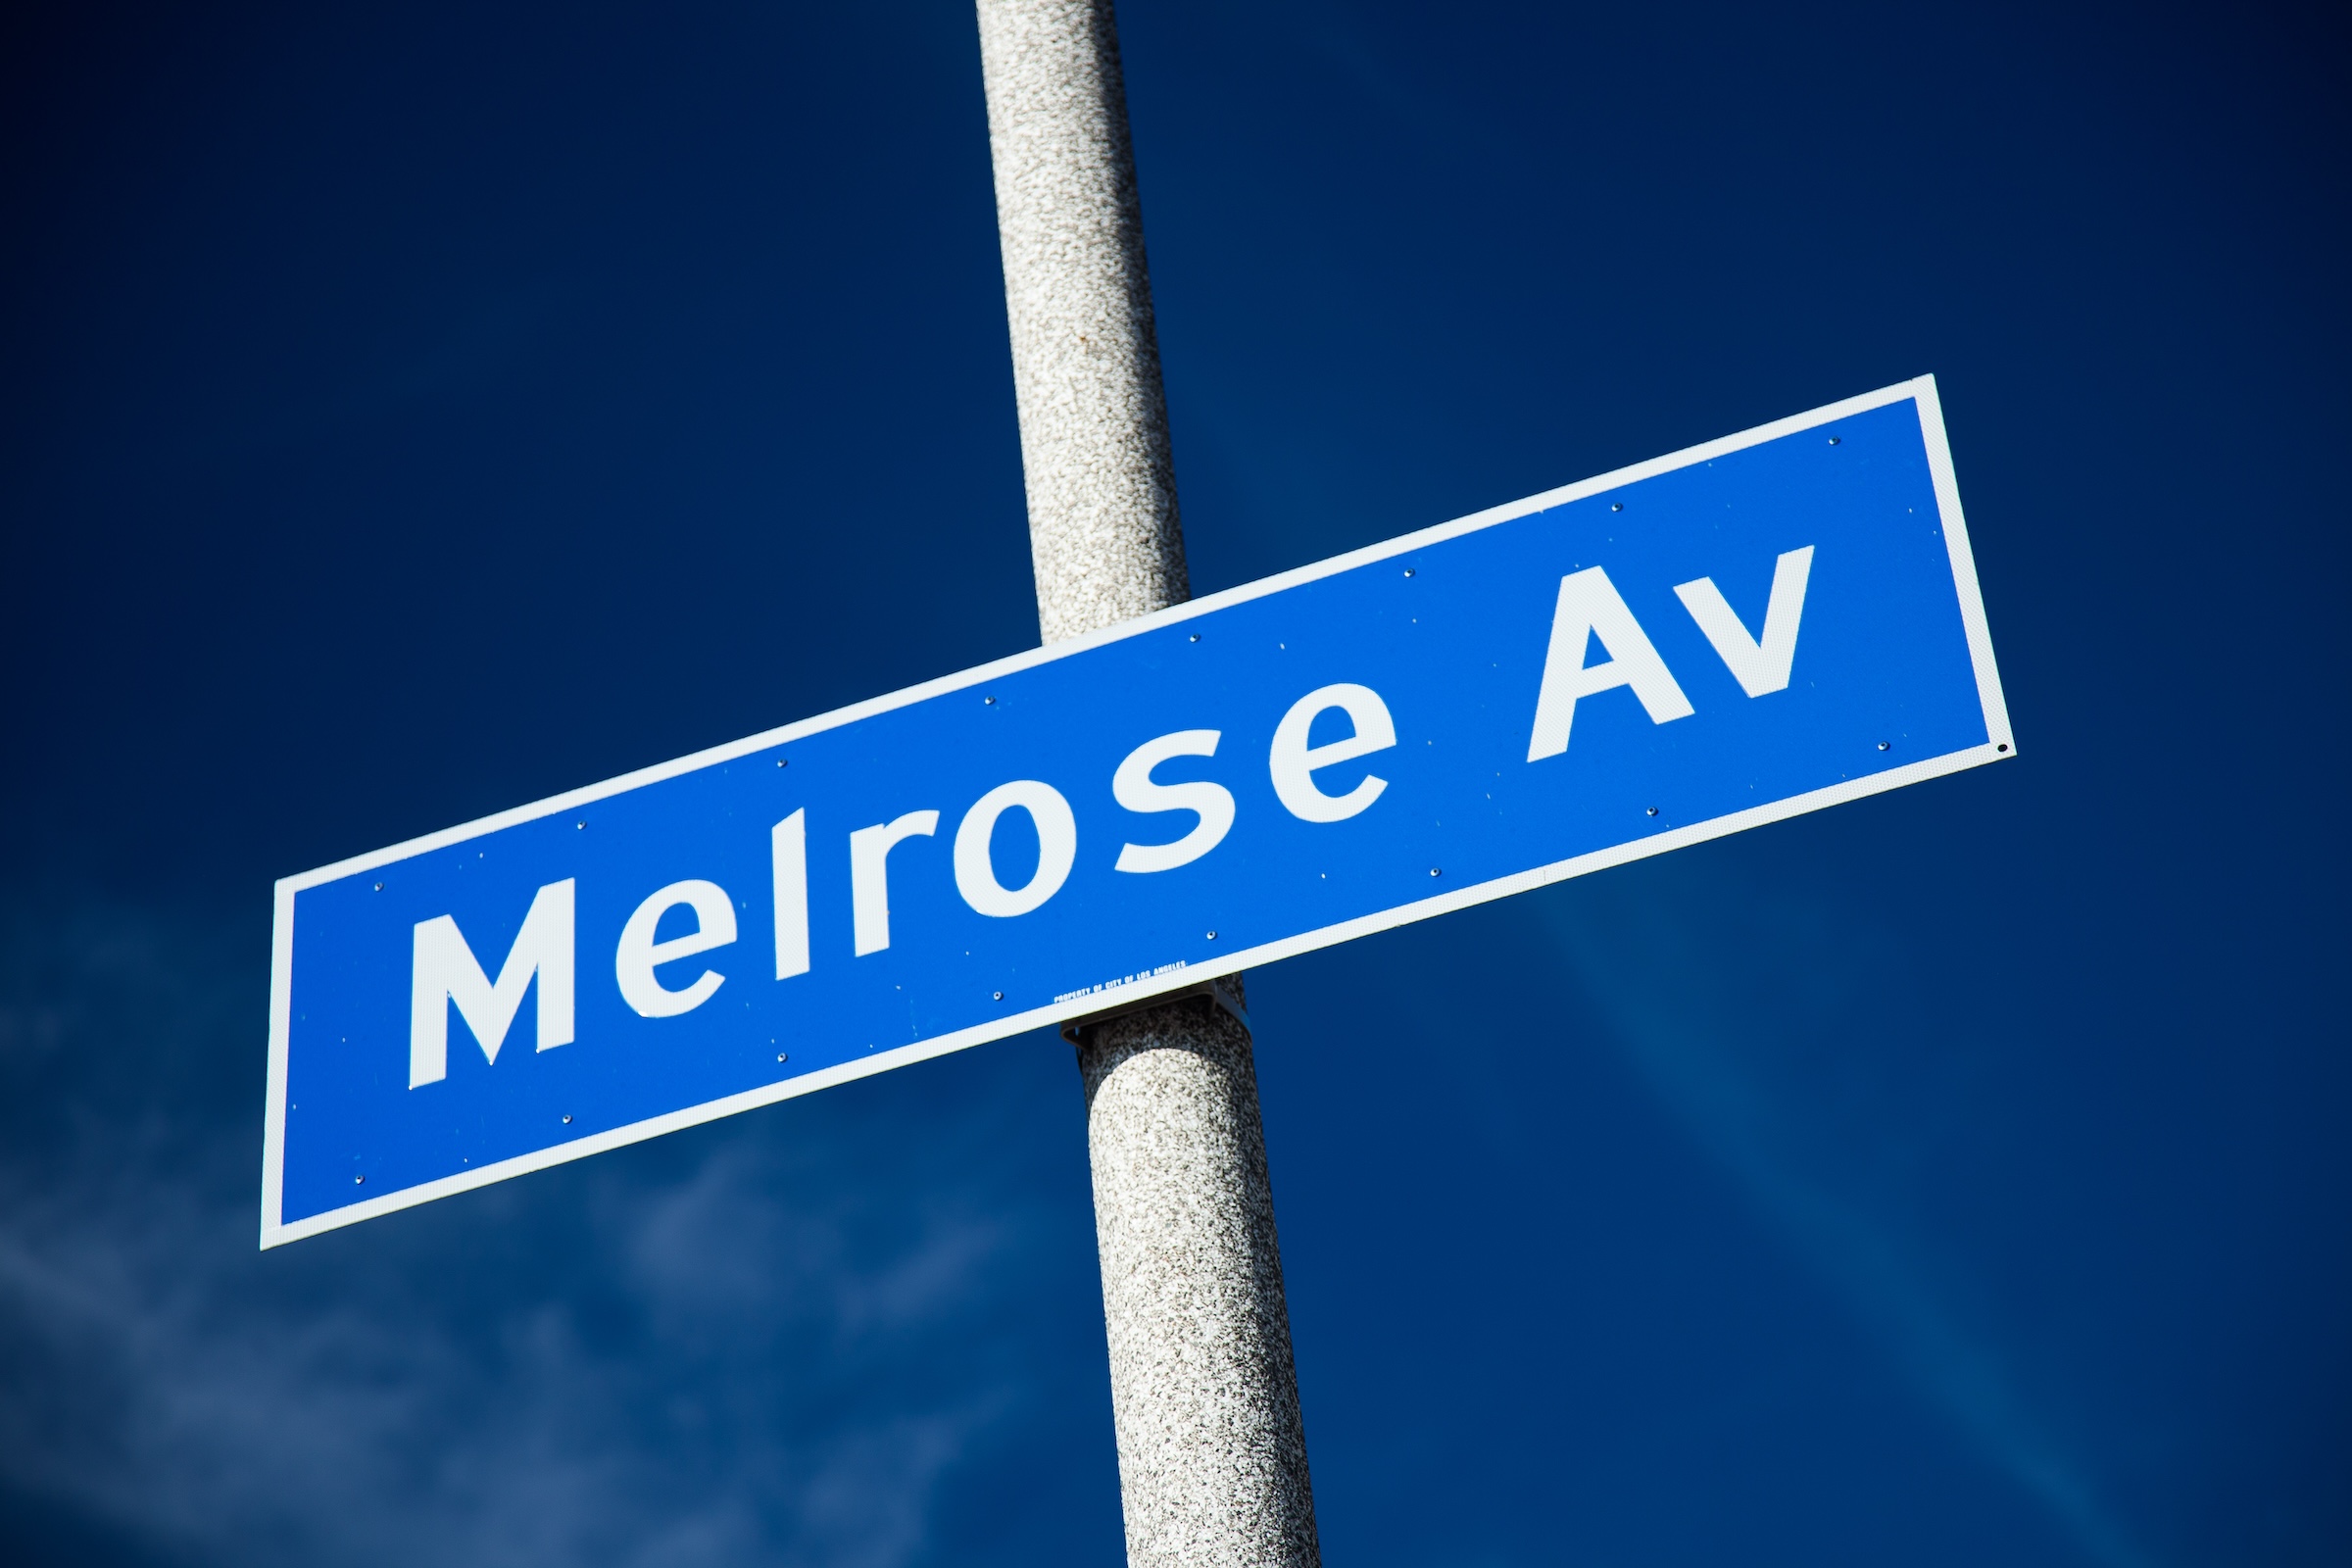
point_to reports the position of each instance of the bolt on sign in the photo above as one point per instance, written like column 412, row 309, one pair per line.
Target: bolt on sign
column 1764, row 625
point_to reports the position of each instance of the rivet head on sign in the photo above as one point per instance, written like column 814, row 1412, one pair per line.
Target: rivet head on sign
column 379, row 887
column 1408, row 571
column 1649, row 811
column 1616, row 506
column 1212, row 936
column 1833, row 440
column 359, row 1181
column 783, row 761
column 988, row 702
column 568, row 1121
column 1885, row 746
column 1433, row 872
column 999, row 996
column 1195, row 636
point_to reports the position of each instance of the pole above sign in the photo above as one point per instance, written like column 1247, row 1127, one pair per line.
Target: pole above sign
column 1761, row 627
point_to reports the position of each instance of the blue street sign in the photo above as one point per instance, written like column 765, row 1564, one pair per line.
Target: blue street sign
column 1761, row 627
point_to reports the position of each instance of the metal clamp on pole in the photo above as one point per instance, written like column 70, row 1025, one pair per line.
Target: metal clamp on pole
column 1224, row 991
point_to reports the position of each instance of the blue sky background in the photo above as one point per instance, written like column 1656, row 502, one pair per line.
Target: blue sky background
column 415, row 410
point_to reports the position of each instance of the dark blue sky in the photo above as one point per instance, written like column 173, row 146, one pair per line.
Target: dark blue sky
column 411, row 411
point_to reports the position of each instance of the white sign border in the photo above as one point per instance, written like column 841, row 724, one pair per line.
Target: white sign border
column 2000, row 745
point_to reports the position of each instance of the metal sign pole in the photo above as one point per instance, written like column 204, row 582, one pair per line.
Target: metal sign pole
column 1205, row 1396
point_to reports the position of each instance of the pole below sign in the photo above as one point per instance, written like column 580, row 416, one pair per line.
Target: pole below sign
column 1764, row 625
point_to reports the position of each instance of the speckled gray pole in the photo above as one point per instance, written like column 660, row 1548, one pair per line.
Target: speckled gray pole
column 1212, row 1454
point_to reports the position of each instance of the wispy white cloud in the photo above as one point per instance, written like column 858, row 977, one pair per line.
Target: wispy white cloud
column 733, row 1358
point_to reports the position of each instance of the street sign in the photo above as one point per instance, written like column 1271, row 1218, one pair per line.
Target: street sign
column 1760, row 626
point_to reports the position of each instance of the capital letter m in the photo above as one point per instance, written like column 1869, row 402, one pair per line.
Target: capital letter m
column 444, row 971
